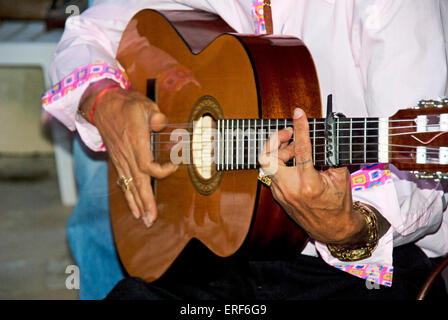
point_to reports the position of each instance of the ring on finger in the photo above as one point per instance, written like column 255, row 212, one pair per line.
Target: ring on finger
column 265, row 178
column 124, row 182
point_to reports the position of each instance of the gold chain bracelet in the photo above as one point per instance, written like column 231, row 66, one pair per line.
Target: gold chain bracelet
column 363, row 251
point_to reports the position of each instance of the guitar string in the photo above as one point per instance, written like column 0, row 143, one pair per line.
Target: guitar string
column 317, row 162
column 321, row 145
column 312, row 130
column 355, row 154
column 263, row 139
column 273, row 126
column 290, row 121
column 322, row 130
column 428, row 152
column 269, row 129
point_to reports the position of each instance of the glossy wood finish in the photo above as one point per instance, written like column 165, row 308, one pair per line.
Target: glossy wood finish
column 286, row 79
column 250, row 77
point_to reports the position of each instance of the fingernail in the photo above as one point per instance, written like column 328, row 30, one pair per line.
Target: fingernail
column 147, row 221
column 298, row 113
column 136, row 214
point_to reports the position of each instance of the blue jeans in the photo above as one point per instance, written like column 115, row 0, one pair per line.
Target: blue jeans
column 89, row 229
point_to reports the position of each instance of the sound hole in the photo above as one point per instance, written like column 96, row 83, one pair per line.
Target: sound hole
column 203, row 146
column 202, row 169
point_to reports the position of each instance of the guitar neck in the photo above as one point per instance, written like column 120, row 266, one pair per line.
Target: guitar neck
column 345, row 141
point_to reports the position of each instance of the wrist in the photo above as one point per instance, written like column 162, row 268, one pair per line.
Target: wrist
column 364, row 241
column 359, row 230
column 92, row 95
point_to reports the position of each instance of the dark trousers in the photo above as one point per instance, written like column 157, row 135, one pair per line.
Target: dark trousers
column 301, row 278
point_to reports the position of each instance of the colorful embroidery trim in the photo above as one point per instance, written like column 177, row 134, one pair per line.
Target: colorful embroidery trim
column 257, row 12
column 84, row 75
column 371, row 176
column 371, row 272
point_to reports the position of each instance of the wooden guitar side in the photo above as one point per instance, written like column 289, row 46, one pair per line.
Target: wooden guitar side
column 249, row 77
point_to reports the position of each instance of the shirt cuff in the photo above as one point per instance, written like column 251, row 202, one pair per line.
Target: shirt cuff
column 377, row 268
column 63, row 99
column 372, row 185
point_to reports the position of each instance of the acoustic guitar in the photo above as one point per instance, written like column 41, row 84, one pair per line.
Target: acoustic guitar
column 207, row 78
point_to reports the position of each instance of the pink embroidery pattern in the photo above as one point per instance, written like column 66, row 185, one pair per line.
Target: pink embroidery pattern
column 258, row 17
column 371, row 176
column 371, row 272
column 97, row 70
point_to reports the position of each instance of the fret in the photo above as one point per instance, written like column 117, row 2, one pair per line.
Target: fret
column 336, row 150
column 231, row 146
column 325, row 151
column 242, row 149
column 344, row 140
column 372, row 140
column 217, row 144
column 357, row 140
column 227, row 144
column 350, row 142
column 319, row 144
column 254, row 149
column 260, row 137
column 314, row 141
column 248, row 144
column 237, row 143
column 365, row 140
column 222, row 145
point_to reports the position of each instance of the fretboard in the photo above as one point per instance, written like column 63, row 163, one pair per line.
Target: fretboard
column 346, row 141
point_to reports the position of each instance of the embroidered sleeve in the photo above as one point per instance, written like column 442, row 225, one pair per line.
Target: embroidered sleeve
column 81, row 77
column 371, row 176
column 62, row 100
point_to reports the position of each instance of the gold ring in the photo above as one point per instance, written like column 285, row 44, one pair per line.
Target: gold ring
column 123, row 181
column 265, row 179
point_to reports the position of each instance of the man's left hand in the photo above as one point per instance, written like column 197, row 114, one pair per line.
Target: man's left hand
column 319, row 201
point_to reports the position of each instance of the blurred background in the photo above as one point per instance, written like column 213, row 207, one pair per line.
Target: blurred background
column 37, row 189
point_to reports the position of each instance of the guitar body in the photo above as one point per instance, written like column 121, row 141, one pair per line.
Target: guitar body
column 202, row 68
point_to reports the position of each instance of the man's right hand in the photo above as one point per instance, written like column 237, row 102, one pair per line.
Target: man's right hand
column 124, row 119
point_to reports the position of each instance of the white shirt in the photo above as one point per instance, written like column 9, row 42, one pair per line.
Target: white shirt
column 374, row 56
